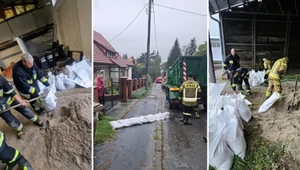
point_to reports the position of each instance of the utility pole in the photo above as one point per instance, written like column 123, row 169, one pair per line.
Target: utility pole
column 148, row 45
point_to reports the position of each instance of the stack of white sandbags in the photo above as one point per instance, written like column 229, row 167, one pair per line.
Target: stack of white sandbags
column 81, row 73
column 256, row 78
column 225, row 127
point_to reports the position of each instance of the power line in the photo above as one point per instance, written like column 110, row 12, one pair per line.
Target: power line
column 128, row 24
column 181, row 10
column 155, row 29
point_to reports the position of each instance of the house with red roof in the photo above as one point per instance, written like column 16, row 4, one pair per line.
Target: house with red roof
column 108, row 62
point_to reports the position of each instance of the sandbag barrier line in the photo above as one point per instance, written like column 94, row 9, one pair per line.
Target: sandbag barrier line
column 139, row 120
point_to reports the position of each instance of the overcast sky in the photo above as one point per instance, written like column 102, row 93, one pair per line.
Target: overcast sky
column 111, row 17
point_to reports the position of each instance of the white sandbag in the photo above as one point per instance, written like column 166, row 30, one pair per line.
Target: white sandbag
column 139, row 120
column 269, row 103
column 233, row 132
column 69, row 83
column 59, row 82
column 50, row 99
column 238, row 147
column 83, row 83
column 51, row 80
column 220, row 156
column 84, row 74
column 70, row 72
column 41, row 85
column 216, row 88
column 256, row 78
column 243, row 110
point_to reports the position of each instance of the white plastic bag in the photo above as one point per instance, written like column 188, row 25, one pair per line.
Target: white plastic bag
column 50, row 99
column 41, row 85
column 69, row 83
column 70, row 72
column 51, row 80
column 60, row 82
column 269, row 103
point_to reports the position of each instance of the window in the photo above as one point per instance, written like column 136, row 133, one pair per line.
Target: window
column 16, row 8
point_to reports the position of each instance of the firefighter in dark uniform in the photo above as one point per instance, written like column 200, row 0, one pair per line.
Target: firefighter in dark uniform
column 189, row 92
column 231, row 62
column 25, row 76
column 239, row 76
column 8, row 98
column 12, row 157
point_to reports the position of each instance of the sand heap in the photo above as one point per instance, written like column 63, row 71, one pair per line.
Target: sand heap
column 66, row 143
column 279, row 124
column 68, row 139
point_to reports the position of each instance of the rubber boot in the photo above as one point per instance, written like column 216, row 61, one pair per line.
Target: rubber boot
column 182, row 119
column 197, row 116
column 39, row 122
column 24, row 164
column 20, row 134
column 186, row 121
column 197, row 113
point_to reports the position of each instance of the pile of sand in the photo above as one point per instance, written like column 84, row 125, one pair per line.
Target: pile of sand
column 66, row 143
column 278, row 123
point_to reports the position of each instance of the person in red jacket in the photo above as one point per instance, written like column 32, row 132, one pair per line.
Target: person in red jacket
column 100, row 86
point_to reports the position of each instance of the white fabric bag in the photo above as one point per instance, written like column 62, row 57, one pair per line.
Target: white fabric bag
column 269, row 103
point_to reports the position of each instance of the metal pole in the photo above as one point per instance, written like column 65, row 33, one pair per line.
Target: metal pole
column 148, row 45
column 212, row 75
column 254, row 40
column 222, row 37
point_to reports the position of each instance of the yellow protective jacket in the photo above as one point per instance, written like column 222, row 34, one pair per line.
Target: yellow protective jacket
column 190, row 90
column 268, row 66
column 278, row 70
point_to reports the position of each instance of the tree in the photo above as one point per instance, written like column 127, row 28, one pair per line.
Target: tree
column 125, row 56
column 155, row 67
column 192, row 47
column 164, row 66
column 202, row 49
column 185, row 50
column 174, row 53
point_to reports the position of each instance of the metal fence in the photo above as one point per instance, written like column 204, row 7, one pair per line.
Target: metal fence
column 112, row 95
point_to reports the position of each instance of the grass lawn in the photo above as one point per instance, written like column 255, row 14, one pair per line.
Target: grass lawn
column 104, row 131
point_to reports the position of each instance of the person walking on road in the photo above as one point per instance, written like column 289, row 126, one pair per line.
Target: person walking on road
column 26, row 76
column 8, row 98
column 189, row 92
column 267, row 67
column 277, row 72
column 11, row 156
column 239, row 76
column 231, row 62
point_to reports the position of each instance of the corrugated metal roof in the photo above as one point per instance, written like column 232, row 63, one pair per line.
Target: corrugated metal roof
column 217, row 6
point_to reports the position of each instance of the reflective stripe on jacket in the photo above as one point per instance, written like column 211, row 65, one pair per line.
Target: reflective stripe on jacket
column 190, row 89
column 279, row 65
column 25, row 79
column 268, row 66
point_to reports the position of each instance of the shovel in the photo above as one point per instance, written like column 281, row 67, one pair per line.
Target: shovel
column 15, row 106
column 294, row 106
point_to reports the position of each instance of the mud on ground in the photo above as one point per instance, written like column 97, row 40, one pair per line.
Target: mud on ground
column 66, row 143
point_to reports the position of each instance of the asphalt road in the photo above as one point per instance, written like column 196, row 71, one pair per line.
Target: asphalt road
column 161, row 145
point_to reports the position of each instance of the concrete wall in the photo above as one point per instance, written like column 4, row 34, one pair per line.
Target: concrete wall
column 25, row 23
column 9, row 55
column 73, row 20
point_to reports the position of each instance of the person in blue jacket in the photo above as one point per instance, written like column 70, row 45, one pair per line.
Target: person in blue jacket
column 26, row 76
column 9, row 98
column 11, row 156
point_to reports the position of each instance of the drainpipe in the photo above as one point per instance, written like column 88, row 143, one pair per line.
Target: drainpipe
column 21, row 45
